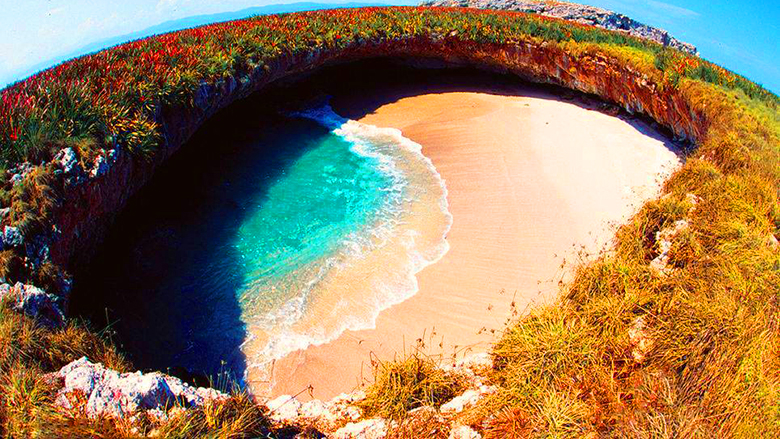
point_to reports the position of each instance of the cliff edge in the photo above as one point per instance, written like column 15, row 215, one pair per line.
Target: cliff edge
column 584, row 14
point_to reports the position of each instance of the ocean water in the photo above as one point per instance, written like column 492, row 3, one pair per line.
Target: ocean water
column 284, row 237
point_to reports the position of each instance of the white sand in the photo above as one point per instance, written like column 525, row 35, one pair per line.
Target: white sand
column 530, row 179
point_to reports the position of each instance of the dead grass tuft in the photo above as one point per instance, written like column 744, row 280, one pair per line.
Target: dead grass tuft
column 403, row 385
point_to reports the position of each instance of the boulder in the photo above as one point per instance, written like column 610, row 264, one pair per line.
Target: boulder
column 369, row 429
column 464, row 432
column 12, row 237
column 34, row 302
column 467, row 398
column 285, row 408
column 104, row 391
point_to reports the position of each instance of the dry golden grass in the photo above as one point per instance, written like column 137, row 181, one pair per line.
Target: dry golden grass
column 712, row 324
column 408, row 383
column 238, row 417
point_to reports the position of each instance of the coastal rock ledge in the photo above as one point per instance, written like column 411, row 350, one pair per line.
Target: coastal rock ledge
column 33, row 302
column 98, row 391
column 584, row 14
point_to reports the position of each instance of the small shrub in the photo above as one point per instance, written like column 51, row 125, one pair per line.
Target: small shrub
column 402, row 385
column 237, row 417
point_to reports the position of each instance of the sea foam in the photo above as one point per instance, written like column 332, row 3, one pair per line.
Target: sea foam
column 373, row 268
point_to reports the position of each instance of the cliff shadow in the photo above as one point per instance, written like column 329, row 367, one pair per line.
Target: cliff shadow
column 167, row 278
column 360, row 88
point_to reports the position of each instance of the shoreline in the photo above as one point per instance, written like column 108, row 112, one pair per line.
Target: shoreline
column 372, row 272
column 521, row 164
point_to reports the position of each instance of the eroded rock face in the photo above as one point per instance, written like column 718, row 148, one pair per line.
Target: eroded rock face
column 105, row 391
column 95, row 190
column 95, row 390
column 584, row 14
column 34, row 302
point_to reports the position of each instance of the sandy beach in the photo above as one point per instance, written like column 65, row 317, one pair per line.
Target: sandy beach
column 532, row 178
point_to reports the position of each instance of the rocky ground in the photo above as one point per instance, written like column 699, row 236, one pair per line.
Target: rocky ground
column 584, row 14
column 97, row 391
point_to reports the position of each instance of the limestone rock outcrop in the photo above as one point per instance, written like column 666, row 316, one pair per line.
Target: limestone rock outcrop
column 368, row 429
column 665, row 237
column 104, row 391
column 33, row 302
column 584, row 14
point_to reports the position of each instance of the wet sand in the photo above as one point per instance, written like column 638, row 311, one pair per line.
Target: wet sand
column 532, row 179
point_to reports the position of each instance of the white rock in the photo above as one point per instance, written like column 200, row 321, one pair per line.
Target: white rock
column 20, row 172
column 342, row 406
column 67, row 159
column 12, row 237
column 284, row 408
column 108, row 392
column 352, row 413
column 640, row 339
column 467, row 398
column 693, row 200
column 482, row 359
column 315, row 409
column 34, row 302
column 100, row 167
column 464, row 432
column 357, row 395
column 458, row 403
column 368, row 429
column 469, row 368
column 69, row 163
column 663, row 242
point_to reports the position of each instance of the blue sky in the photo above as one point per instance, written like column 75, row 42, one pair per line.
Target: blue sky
column 742, row 35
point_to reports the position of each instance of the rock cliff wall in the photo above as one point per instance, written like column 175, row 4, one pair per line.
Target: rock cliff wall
column 92, row 197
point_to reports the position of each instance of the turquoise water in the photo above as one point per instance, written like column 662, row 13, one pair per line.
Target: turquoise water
column 266, row 238
column 328, row 194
